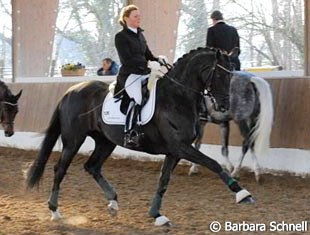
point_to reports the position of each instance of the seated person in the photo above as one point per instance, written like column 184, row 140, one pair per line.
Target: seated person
column 109, row 67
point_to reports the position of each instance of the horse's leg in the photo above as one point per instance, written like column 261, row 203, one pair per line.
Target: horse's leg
column 167, row 168
column 200, row 130
column 60, row 169
column 102, row 151
column 225, row 128
column 256, row 166
column 245, row 132
column 191, row 154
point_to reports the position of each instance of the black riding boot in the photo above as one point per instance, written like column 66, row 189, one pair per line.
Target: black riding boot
column 132, row 130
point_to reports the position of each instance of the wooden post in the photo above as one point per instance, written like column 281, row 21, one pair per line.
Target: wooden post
column 307, row 37
column 34, row 24
column 160, row 20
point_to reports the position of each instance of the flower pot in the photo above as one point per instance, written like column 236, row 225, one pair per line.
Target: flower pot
column 73, row 73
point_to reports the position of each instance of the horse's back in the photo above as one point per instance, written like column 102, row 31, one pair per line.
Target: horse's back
column 88, row 87
column 242, row 97
column 83, row 97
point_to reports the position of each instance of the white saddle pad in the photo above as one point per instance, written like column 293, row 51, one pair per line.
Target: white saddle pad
column 112, row 115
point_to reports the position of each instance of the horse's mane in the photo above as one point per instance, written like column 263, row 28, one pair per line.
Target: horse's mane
column 179, row 65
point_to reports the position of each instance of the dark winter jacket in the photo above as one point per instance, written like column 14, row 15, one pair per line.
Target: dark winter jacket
column 113, row 70
column 225, row 37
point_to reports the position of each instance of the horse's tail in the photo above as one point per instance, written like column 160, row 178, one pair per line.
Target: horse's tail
column 262, row 130
column 36, row 170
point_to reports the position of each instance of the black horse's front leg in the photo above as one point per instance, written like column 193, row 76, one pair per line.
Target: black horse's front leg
column 168, row 166
column 191, row 154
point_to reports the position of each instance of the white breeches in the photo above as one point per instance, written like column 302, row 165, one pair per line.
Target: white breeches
column 133, row 86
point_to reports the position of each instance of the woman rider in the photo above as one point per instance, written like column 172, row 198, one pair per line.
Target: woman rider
column 134, row 55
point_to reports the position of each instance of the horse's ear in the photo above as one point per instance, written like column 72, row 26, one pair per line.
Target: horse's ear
column 19, row 94
column 234, row 52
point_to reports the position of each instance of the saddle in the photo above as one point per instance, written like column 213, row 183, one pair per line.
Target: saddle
column 114, row 108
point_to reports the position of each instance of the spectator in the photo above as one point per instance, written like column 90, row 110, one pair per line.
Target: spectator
column 224, row 37
column 109, row 67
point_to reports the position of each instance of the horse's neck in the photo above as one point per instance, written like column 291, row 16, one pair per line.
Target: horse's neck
column 172, row 93
column 190, row 83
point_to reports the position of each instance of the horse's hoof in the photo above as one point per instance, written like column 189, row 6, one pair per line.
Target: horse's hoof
column 193, row 170
column 248, row 200
column 257, row 178
column 162, row 221
column 56, row 215
column 243, row 196
column 113, row 207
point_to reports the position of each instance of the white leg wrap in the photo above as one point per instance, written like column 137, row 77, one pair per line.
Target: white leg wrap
column 161, row 220
column 241, row 195
column 113, row 207
column 56, row 215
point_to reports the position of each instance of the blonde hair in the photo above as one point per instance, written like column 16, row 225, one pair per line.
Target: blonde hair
column 125, row 12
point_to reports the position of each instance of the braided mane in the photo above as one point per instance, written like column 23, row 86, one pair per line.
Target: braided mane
column 179, row 65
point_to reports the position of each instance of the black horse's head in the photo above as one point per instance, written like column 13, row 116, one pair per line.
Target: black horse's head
column 205, row 69
column 8, row 111
column 220, row 83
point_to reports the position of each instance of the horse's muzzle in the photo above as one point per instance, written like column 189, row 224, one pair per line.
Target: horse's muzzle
column 8, row 129
column 8, row 133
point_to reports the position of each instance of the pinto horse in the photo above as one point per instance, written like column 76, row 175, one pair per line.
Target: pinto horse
column 251, row 109
column 8, row 108
column 171, row 130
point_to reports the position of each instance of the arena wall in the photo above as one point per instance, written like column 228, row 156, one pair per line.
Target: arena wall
column 291, row 97
column 290, row 135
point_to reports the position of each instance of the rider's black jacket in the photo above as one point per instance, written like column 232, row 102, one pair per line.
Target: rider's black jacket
column 133, row 53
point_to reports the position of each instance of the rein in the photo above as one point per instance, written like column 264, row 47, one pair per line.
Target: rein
column 169, row 67
column 99, row 105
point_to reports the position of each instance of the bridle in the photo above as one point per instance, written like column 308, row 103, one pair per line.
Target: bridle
column 8, row 103
column 210, row 74
column 207, row 90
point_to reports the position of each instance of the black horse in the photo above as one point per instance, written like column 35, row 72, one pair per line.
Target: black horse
column 8, row 108
column 251, row 109
column 171, row 130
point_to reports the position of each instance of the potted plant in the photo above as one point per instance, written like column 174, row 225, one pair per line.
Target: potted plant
column 73, row 70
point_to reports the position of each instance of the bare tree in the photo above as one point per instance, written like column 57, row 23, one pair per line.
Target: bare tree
column 5, row 40
column 270, row 34
column 194, row 15
column 91, row 25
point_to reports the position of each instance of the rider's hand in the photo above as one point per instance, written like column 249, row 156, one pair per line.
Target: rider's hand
column 153, row 65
